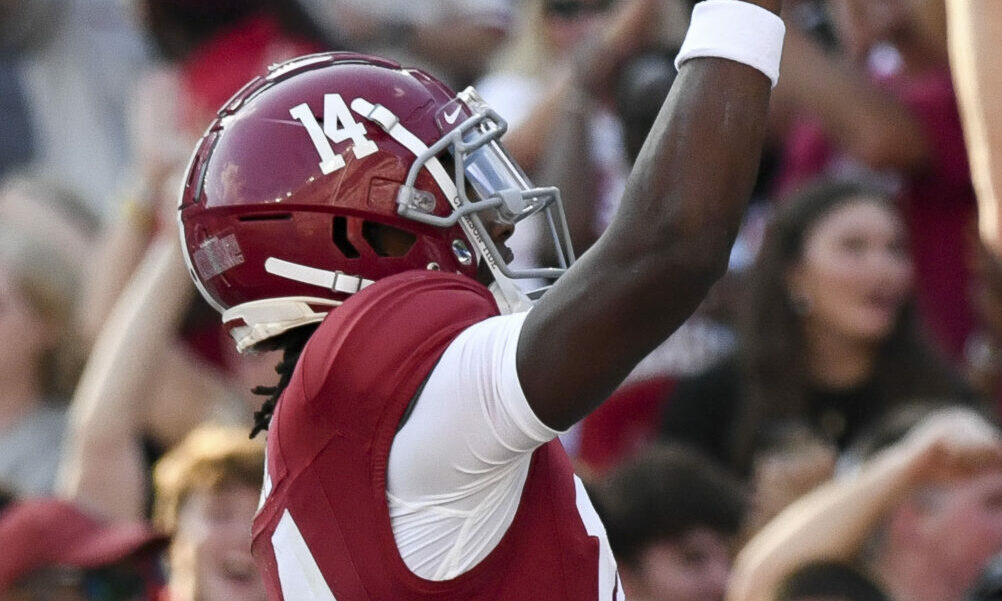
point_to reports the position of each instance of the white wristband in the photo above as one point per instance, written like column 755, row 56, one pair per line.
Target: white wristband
column 738, row 31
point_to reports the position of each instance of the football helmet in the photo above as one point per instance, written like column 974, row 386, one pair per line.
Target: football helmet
column 337, row 169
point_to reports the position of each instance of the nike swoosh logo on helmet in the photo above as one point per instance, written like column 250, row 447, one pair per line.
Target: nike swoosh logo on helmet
column 450, row 118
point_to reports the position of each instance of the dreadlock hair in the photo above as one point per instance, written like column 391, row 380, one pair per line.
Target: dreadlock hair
column 291, row 343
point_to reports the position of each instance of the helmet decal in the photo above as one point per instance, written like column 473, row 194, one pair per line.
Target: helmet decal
column 371, row 169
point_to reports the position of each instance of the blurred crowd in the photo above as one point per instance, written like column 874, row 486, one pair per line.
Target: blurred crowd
column 824, row 426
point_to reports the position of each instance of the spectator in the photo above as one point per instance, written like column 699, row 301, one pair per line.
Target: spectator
column 216, row 45
column 921, row 515
column 38, row 283
column 830, row 580
column 672, row 517
column 886, row 113
column 206, row 487
column 455, row 38
column 562, row 129
column 208, row 50
column 176, row 372
column 639, row 88
column 53, row 550
column 828, row 338
column 77, row 62
column 207, row 491
column 141, row 392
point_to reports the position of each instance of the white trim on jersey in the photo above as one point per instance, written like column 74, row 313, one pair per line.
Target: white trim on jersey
column 608, row 574
column 298, row 573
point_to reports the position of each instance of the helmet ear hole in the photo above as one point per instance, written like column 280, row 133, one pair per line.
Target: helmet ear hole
column 386, row 240
column 340, row 238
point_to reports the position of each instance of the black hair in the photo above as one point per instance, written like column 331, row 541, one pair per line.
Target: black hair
column 664, row 493
column 773, row 361
column 639, row 91
column 829, row 580
column 7, row 497
column 292, row 344
column 895, row 425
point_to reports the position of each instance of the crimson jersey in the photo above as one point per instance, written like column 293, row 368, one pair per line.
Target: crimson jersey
column 324, row 531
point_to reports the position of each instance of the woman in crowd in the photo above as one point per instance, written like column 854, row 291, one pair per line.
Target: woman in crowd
column 884, row 110
column 828, row 335
column 41, row 244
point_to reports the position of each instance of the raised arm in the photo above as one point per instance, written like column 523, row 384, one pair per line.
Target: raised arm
column 583, row 81
column 975, row 28
column 137, row 383
column 668, row 243
column 866, row 121
column 833, row 521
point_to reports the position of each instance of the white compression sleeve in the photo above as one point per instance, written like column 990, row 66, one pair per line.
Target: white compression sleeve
column 458, row 465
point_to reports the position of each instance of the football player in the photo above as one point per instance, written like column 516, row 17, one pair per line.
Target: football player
column 354, row 212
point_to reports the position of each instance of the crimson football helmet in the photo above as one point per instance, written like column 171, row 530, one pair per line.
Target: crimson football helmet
column 337, row 169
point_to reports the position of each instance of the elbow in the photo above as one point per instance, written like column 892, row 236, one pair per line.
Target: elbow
column 693, row 262
column 706, row 251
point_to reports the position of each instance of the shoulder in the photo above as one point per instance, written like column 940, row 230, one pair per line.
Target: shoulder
column 398, row 318
column 413, row 298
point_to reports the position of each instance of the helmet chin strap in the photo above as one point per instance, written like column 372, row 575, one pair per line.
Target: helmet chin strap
column 509, row 296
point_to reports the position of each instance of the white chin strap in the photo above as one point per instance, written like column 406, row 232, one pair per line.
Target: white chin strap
column 270, row 317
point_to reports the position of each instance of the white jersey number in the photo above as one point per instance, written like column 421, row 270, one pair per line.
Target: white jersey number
column 339, row 125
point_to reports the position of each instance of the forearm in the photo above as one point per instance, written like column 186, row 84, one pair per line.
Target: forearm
column 688, row 191
column 831, row 522
column 527, row 142
column 583, row 78
column 459, row 45
column 668, row 243
column 119, row 250
column 102, row 466
column 975, row 28
column 562, row 165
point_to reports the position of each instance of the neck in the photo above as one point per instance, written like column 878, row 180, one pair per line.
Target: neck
column 838, row 361
column 20, row 396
